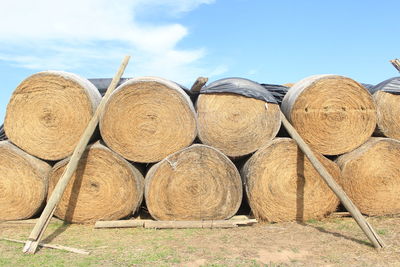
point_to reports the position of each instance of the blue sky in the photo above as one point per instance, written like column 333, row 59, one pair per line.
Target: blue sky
column 266, row 41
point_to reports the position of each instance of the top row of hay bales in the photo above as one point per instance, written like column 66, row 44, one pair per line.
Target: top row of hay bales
column 148, row 118
column 145, row 120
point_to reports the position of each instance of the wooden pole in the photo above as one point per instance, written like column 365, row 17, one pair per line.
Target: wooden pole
column 120, row 224
column 349, row 205
column 174, row 224
column 37, row 232
column 189, row 224
column 59, row 247
column 198, row 84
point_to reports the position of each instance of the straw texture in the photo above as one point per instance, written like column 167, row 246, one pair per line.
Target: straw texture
column 104, row 187
column 333, row 114
column 371, row 176
column 235, row 124
column 23, row 183
column 196, row 183
column 148, row 118
column 282, row 185
column 388, row 111
column 49, row 111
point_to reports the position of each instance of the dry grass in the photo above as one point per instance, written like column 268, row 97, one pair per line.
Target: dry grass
column 332, row 242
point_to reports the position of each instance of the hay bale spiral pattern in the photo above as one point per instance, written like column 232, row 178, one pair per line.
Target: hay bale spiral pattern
column 196, row 183
column 148, row 118
column 104, row 187
column 371, row 176
column 282, row 185
column 333, row 114
column 48, row 113
column 235, row 124
column 23, row 183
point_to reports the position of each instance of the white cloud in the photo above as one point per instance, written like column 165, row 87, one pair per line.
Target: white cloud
column 93, row 35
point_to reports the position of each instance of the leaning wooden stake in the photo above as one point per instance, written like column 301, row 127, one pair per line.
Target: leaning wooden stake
column 349, row 205
column 37, row 232
column 396, row 63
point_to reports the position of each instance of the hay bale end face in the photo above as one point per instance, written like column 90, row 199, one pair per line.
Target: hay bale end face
column 333, row 114
column 196, row 183
column 104, row 187
column 371, row 176
column 235, row 124
column 49, row 111
column 148, row 118
column 23, row 183
column 282, row 185
column 388, row 112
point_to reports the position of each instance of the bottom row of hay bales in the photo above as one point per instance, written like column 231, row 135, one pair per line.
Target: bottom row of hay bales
column 201, row 183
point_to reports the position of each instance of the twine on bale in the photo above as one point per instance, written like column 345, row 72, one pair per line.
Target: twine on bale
column 23, row 183
column 235, row 124
column 282, row 185
column 148, row 118
column 333, row 114
column 371, row 176
column 196, row 183
column 104, row 187
column 49, row 111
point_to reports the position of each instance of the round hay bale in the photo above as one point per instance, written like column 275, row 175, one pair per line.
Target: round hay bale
column 282, row 185
column 104, row 187
column 196, row 183
column 235, row 124
column 23, row 183
column 371, row 176
column 388, row 113
column 148, row 118
column 48, row 113
column 333, row 114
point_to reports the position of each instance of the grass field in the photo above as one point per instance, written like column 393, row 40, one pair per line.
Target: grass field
column 331, row 242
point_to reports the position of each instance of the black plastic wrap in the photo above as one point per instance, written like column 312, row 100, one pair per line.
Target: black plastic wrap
column 391, row 85
column 103, row 83
column 239, row 86
column 278, row 91
column 368, row 86
column 2, row 133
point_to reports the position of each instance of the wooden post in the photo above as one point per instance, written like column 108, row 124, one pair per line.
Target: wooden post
column 198, row 84
column 396, row 63
column 349, row 205
column 37, row 232
column 174, row 224
column 74, row 250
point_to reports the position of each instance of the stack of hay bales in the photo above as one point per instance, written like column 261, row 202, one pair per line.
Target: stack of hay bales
column 45, row 117
column 371, row 171
column 191, row 145
column 337, row 117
